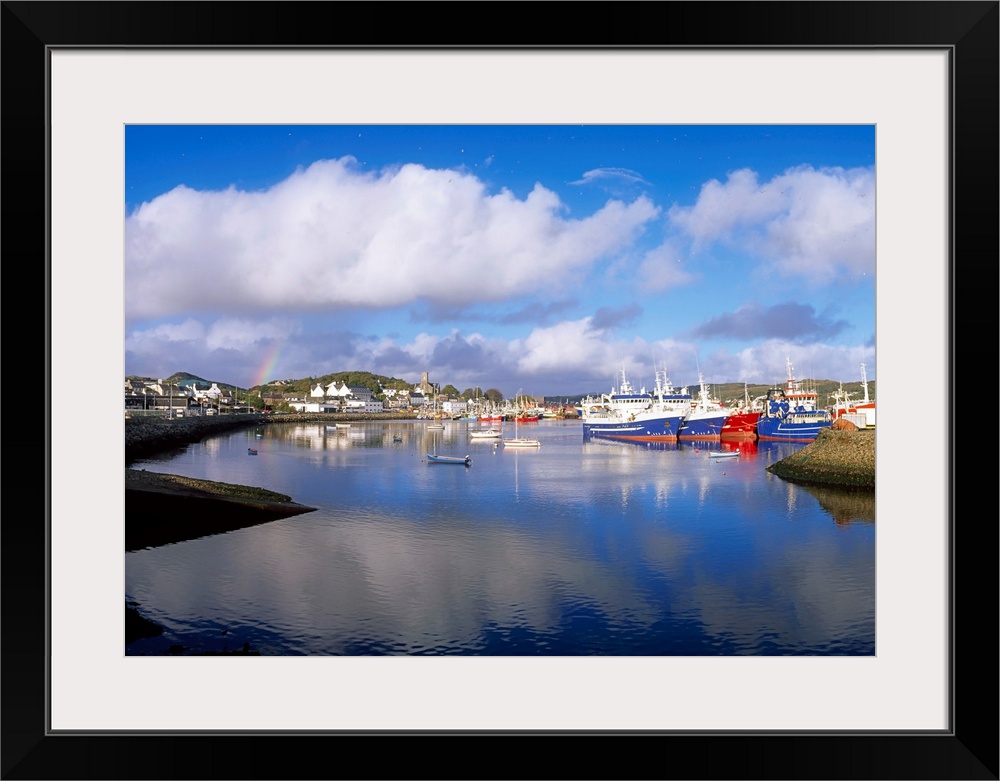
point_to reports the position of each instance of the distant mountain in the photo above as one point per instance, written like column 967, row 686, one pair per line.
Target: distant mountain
column 178, row 378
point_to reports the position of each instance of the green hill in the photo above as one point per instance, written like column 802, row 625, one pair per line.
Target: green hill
column 374, row 382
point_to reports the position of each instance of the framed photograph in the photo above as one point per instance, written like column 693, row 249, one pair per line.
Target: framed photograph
column 922, row 74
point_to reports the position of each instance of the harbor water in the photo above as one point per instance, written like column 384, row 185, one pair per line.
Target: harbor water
column 576, row 547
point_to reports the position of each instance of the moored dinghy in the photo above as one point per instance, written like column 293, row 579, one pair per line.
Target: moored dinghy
column 467, row 460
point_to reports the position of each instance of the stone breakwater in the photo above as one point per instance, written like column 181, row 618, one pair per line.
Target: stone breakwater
column 145, row 436
column 844, row 459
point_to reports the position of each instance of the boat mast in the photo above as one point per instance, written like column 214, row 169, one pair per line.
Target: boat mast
column 864, row 382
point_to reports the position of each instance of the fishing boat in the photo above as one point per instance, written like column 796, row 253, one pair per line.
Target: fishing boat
column 741, row 424
column 742, row 421
column 435, row 459
column 707, row 416
column 793, row 425
column 790, row 414
column 637, row 416
column 865, row 408
column 251, row 451
column 521, row 412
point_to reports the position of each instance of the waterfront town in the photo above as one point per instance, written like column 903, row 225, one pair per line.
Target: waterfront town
column 742, row 414
column 193, row 396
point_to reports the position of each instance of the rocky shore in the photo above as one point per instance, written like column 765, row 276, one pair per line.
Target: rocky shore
column 842, row 459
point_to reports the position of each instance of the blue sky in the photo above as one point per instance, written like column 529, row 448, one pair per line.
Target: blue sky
column 540, row 259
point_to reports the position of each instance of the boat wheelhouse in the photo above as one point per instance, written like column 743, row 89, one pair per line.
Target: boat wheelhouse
column 790, row 413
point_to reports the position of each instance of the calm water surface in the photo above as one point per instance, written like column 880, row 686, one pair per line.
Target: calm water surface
column 576, row 548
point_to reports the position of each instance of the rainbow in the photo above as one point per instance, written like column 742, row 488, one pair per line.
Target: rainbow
column 266, row 370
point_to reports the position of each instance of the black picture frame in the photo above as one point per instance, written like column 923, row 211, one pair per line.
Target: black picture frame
column 969, row 30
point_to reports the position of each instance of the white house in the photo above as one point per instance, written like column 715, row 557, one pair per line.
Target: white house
column 313, row 406
column 363, row 405
column 361, row 393
column 214, row 392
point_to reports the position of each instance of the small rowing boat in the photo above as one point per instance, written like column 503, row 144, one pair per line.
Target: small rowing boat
column 467, row 460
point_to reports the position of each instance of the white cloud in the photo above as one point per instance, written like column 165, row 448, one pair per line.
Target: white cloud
column 331, row 235
column 604, row 175
column 163, row 335
column 233, row 334
column 575, row 349
column 663, row 268
column 568, row 357
column 764, row 363
column 815, row 224
column 247, row 335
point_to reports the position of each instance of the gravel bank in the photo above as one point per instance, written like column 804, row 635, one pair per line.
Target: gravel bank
column 162, row 509
column 844, row 459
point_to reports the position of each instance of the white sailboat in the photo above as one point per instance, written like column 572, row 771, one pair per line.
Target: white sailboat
column 436, row 423
column 519, row 441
